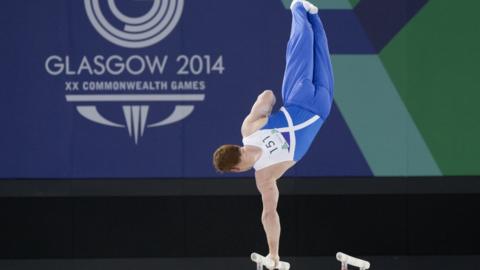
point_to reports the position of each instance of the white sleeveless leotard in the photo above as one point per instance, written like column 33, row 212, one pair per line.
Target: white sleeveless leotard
column 286, row 136
column 275, row 148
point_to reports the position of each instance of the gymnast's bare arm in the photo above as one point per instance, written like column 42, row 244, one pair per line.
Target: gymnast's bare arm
column 266, row 181
column 259, row 113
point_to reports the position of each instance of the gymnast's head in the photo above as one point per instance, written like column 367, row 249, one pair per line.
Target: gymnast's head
column 232, row 158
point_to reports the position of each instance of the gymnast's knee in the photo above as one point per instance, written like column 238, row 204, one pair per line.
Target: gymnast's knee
column 325, row 104
column 323, row 101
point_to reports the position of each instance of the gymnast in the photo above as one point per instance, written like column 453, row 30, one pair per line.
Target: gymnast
column 273, row 143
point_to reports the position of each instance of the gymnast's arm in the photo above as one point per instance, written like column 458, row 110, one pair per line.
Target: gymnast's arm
column 259, row 112
column 266, row 180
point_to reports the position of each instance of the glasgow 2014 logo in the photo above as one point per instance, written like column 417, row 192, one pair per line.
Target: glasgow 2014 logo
column 138, row 32
column 138, row 80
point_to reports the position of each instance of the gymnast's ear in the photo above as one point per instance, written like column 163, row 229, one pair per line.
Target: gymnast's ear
column 235, row 169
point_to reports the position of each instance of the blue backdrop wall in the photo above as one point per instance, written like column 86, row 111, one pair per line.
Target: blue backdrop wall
column 150, row 88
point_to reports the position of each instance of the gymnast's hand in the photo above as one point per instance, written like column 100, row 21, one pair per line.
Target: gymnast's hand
column 275, row 259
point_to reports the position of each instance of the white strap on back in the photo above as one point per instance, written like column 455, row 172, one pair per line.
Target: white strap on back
column 302, row 125
column 291, row 132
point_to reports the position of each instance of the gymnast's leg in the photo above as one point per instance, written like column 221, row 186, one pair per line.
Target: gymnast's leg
column 322, row 71
column 299, row 56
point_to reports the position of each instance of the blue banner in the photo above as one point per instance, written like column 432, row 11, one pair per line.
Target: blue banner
column 97, row 88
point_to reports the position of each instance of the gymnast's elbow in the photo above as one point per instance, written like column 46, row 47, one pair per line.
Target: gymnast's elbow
column 267, row 95
column 266, row 100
